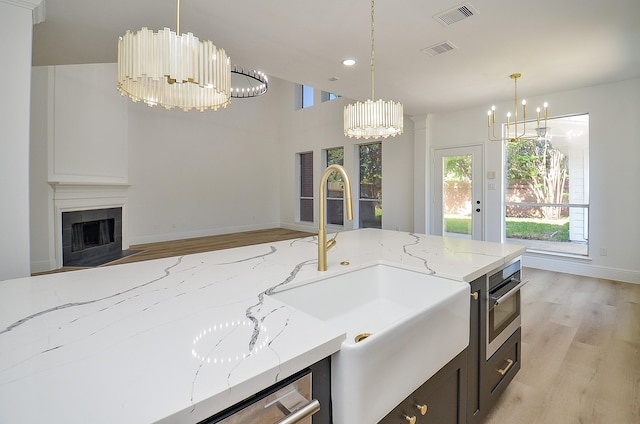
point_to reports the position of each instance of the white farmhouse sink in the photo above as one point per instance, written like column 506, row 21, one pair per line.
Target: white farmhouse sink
column 417, row 323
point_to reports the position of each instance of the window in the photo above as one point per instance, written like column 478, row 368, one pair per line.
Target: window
column 303, row 96
column 307, row 96
column 325, row 96
column 335, row 187
column 370, row 158
column 547, row 188
column 306, row 186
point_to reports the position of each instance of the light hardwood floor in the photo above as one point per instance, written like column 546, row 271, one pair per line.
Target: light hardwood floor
column 580, row 341
column 168, row 249
column 207, row 244
column 580, row 353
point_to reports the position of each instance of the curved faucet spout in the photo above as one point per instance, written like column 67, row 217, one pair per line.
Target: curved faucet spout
column 323, row 244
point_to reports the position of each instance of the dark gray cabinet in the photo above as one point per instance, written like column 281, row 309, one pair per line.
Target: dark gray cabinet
column 502, row 367
column 477, row 349
column 441, row 400
column 487, row 378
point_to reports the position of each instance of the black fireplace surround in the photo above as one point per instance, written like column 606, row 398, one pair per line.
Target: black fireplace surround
column 91, row 237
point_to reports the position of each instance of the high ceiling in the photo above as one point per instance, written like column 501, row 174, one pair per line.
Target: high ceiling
column 557, row 45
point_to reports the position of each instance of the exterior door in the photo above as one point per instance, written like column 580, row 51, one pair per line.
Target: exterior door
column 457, row 192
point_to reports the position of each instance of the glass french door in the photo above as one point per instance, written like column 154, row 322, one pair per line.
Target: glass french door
column 457, row 192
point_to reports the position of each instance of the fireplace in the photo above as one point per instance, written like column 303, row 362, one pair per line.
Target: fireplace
column 91, row 237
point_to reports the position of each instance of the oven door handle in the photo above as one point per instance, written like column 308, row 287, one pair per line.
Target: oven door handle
column 500, row 299
column 306, row 411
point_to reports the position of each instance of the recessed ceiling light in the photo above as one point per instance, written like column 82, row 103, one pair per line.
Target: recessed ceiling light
column 349, row 62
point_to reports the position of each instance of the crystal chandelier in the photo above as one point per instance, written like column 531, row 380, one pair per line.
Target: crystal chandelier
column 373, row 119
column 517, row 136
column 173, row 70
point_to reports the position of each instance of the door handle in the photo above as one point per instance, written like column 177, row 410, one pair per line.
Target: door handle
column 508, row 294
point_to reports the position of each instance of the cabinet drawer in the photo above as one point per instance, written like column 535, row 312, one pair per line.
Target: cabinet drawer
column 440, row 400
column 503, row 365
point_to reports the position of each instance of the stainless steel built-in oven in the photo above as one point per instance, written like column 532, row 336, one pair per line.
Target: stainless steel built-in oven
column 503, row 305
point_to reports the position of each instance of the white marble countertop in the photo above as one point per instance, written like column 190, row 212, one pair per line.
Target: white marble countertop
column 178, row 339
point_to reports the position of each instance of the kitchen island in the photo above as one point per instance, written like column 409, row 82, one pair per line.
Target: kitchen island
column 176, row 340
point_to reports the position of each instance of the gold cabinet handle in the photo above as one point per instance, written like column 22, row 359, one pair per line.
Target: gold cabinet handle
column 422, row 408
column 474, row 295
column 506, row 369
column 410, row 420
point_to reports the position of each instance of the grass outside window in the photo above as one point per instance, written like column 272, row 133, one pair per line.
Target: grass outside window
column 520, row 228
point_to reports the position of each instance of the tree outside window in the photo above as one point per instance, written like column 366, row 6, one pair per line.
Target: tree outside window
column 335, row 188
column 547, row 196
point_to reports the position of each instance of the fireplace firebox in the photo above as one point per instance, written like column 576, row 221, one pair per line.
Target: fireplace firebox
column 91, row 237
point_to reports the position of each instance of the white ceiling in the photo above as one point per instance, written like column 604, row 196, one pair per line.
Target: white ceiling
column 556, row 44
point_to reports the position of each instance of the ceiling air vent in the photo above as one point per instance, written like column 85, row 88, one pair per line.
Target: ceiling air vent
column 436, row 49
column 456, row 14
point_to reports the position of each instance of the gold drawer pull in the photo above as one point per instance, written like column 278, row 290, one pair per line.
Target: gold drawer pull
column 506, row 369
column 474, row 295
column 410, row 420
column 422, row 408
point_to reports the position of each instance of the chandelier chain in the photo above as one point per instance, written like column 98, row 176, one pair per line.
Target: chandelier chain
column 373, row 59
column 178, row 17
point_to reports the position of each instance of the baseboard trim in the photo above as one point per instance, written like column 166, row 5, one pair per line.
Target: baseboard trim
column 581, row 268
column 42, row 266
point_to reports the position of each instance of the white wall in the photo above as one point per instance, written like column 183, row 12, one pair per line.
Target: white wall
column 320, row 127
column 15, row 67
column 188, row 174
column 614, row 173
column 88, row 139
column 40, row 192
column 203, row 173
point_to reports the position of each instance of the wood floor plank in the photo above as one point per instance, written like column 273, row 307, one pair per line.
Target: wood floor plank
column 150, row 251
column 580, row 350
column 207, row 244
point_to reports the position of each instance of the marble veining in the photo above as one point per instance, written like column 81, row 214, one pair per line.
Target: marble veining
column 424, row 260
column 88, row 302
column 179, row 339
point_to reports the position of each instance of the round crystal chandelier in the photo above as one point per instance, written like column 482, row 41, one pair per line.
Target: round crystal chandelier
column 173, row 71
column 373, row 119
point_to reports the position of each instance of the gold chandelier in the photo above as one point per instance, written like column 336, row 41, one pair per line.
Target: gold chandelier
column 173, row 70
column 517, row 136
column 373, row 119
